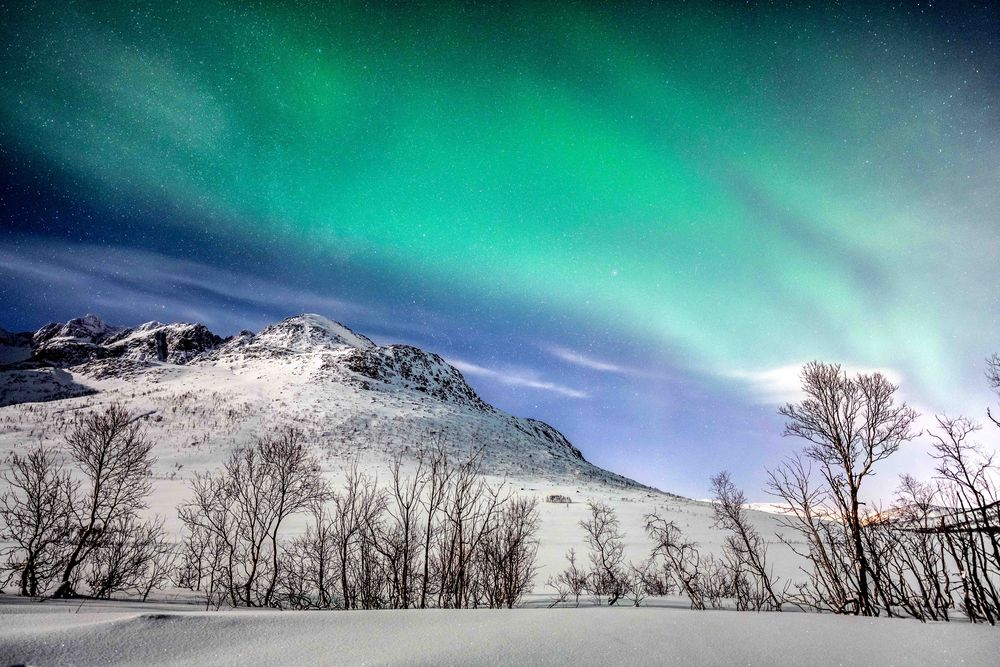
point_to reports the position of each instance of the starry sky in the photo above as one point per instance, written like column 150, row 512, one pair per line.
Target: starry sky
column 633, row 220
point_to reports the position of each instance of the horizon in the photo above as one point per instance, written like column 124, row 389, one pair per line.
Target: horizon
column 634, row 223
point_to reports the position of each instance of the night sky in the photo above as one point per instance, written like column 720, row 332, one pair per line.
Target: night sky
column 634, row 221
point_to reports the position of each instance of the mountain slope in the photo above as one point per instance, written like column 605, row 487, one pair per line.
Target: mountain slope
column 205, row 395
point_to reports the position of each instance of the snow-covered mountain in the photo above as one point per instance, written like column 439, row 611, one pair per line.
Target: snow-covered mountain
column 206, row 394
column 355, row 401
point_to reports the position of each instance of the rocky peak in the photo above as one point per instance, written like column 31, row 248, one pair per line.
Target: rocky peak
column 309, row 333
column 396, row 367
column 153, row 341
column 87, row 339
column 86, row 329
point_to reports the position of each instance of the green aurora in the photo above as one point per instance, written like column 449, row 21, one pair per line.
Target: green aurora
column 740, row 188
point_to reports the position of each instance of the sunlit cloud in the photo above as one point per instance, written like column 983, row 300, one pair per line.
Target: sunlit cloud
column 783, row 384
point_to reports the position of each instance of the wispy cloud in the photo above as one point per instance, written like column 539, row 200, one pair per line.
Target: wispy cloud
column 783, row 384
column 515, row 378
column 584, row 361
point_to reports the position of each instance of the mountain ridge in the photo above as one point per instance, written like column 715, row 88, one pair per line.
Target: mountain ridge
column 350, row 393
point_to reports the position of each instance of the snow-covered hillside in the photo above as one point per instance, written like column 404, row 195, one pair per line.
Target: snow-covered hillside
column 205, row 394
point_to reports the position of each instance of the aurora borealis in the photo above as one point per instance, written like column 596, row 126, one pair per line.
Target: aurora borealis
column 632, row 221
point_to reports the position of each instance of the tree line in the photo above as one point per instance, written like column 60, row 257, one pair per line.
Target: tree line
column 439, row 534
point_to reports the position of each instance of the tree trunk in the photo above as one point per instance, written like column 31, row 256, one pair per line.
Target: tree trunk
column 864, row 595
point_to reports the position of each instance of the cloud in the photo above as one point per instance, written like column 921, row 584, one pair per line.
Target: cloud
column 579, row 359
column 515, row 378
column 783, row 384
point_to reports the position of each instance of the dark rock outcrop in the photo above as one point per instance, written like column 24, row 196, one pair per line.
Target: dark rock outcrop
column 408, row 367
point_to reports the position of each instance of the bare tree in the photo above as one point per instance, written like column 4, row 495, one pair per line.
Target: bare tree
column 135, row 556
column 506, row 558
column 357, row 508
column 972, row 528
column 438, row 480
column 470, row 513
column 680, row 556
column 907, row 556
column 237, row 513
column 831, row 577
column 294, row 485
column 37, row 515
column 363, row 548
column 743, row 545
column 571, row 582
column 608, row 576
column 214, row 538
column 850, row 425
column 403, row 537
column 112, row 452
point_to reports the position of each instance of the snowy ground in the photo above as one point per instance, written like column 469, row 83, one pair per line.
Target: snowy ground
column 53, row 633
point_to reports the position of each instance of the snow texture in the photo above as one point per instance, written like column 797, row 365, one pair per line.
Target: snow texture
column 120, row 634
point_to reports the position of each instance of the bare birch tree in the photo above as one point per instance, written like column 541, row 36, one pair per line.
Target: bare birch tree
column 743, row 545
column 37, row 518
column 113, row 454
column 850, row 425
column 608, row 574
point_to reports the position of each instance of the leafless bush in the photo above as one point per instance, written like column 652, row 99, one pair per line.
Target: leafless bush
column 135, row 557
column 570, row 583
column 655, row 577
column 643, row 581
column 204, row 564
column 505, row 563
column 439, row 535
column 471, row 511
column 309, row 569
column 672, row 566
